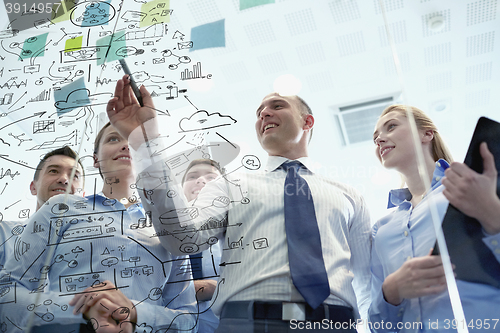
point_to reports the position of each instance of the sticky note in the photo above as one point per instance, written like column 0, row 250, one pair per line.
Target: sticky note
column 61, row 11
column 110, row 47
column 157, row 11
column 71, row 96
column 73, row 44
column 208, row 35
column 34, row 46
column 245, row 4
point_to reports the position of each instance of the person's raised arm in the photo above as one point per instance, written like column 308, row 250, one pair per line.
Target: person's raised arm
column 126, row 114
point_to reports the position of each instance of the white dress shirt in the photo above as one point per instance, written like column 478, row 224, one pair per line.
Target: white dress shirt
column 246, row 212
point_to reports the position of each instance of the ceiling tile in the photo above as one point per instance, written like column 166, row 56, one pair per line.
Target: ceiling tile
column 259, row 33
column 480, row 44
column 272, row 63
column 481, row 11
column 478, row 73
column 300, row 22
column 437, row 54
column 344, row 11
column 351, row 43
column 397, row 31
column 477, row 98
column 235, row 72
column 389, row 5
column 311, row 53
column 204, row 11
column 439, row 82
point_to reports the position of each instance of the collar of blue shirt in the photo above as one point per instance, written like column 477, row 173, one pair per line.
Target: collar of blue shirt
column 400, row 195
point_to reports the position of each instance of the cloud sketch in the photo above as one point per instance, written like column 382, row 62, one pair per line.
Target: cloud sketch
column 202, row 120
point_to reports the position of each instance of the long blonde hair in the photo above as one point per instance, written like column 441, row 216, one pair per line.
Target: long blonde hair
column 438, row 148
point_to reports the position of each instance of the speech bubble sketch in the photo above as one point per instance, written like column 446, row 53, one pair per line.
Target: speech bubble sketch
column 251, row 162
column 202, row 120
column 141, row 76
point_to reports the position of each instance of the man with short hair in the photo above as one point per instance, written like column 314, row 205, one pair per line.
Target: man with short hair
column 262, row 287
column 53, row 174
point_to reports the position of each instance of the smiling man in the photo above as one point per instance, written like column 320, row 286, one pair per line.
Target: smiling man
column 267, row 220
column 53, row 174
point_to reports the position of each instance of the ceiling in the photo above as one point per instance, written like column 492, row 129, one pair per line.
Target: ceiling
column 448, row 65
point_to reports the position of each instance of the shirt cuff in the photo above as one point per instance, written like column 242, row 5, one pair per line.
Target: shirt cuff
column 493, row 243
column 382, row 310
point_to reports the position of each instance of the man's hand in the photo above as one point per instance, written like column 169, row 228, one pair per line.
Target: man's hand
column 473, row 193
column 417, row 277
column 107, row 308
column 99, row 319
column 125, row 112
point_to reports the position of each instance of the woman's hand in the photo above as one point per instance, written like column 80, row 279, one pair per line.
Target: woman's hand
column 417, row 277
column 125, row 112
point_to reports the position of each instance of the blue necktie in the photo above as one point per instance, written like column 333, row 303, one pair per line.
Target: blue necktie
column 307, row 267
column 196, row 266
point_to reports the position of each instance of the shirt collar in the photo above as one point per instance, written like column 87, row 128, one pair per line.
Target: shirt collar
column 401, row 195
column 274, row 162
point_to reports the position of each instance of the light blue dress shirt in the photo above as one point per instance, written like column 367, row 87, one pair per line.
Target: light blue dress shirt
column 406, row 233
column 94, row 239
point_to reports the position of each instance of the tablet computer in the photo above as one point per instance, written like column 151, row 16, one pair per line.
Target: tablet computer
column 464, row 235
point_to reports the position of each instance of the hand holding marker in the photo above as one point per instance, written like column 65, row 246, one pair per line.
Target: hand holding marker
column 137, row 93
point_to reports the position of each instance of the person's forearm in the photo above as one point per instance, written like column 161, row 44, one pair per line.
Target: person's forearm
column 204, row 289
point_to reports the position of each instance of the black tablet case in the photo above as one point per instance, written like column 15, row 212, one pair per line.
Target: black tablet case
column 474, row 261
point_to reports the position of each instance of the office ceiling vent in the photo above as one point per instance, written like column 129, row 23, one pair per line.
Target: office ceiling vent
column 356, row 121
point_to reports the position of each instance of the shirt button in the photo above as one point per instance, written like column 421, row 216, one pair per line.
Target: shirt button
column 438, row 178
column 406, row 233
column 438, row 164
column 494, row 242
column 409, row 257
column 497, row 251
